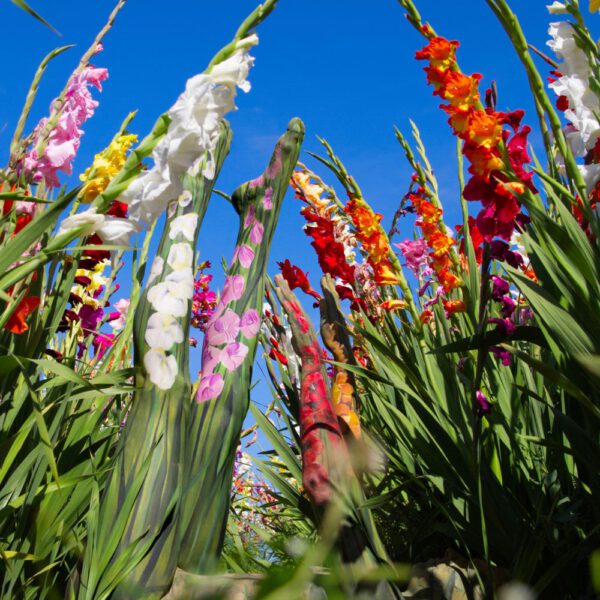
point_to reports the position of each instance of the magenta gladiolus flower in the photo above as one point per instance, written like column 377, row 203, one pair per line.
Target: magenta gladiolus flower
column 102, row 342
column 483, row 406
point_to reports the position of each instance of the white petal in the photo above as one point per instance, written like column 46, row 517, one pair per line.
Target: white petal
column 90, row 219
column 169, row 298
column 163, row 331
column 161, row 368
column 157, row 268
column 184, row 225
column 181, row 256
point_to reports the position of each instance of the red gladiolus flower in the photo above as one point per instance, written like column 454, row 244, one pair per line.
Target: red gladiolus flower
column 297, row 278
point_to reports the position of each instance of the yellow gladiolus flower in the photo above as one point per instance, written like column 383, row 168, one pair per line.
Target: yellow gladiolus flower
column 106, row 165
column 594, row 5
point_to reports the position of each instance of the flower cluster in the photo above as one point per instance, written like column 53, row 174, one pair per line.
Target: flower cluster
column 373, row 240
column 187, row 147
column 170, row 289
column 252, row 503
column 87, row 307
column 494, row 183
column 204, row 299
column 191, row 139
column 335, row 243
column 580, row 104
column 435, row 247
column 332, row 241
column 54, row 151
column 113, row 227
column 228, row 333
column 105, row 166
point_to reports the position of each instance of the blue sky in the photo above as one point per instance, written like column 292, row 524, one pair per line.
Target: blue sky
column 345, row 67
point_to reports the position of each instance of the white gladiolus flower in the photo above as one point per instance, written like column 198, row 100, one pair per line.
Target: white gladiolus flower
column 181, row 256
column 90, row 219
column 157, row 268
column 161, row 368
column 192, row 136
column 557, row 8
column 575, row 86
column 184, row 198
column 163, row 331
column 185, row 279
column 591, row 175
column 170, row 298
column 184, row 225
column 117, row 231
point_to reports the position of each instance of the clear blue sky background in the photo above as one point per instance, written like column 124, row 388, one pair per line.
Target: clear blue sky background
column 345, row 67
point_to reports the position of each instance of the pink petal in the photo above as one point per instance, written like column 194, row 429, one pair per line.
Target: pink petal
column 250, row 217
column 224, row 329
column 233, row 288
column 210, row 387
column 233, row 355
column 245, row 255
column 256, row 234
column 268, row 199
column 250, row 323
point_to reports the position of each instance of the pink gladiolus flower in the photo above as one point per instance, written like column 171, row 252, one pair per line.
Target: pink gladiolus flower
column 250, row 323
column 245, row 255
column 224, row 329
column 250, row 217
column 232, row 289
column 415, row 253
column 63, row 141
column 233, row 355
column 210, row 387
column 268, row 199
column 211, row 357
column 257, row 232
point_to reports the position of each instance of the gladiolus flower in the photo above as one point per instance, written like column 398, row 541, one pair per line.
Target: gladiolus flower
column 391, row 305
column 161, row 368
column 17, row 320
column 296, row 278
column 453, row 306
column 483, row 406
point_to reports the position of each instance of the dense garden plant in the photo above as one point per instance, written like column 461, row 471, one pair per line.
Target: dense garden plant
column 434, row 427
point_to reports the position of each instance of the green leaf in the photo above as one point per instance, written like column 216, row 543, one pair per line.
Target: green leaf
column 24, row 6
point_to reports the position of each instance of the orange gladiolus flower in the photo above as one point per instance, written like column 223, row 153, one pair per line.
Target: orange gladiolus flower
column 449, row 280
column 439, row 52
column 484, row 129
column 483, row 161
column 364, row 219
column 426, row 316
column 454, row 306
column 391, row 305
column 461, row 90
column 16, row 323
column 440, row 243
column 384, row 274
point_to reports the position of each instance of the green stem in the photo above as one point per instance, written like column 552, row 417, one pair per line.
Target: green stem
column 216, row 422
